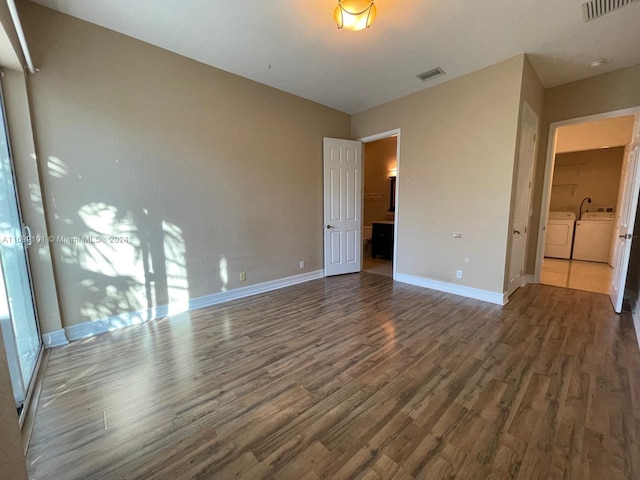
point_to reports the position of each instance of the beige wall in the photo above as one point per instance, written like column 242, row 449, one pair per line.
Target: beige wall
column 28, row 179
column 379, row 161
column 604, row 93
column 206, row 174
column 592, row 173
column 457, row 148
column 532, row 89
column 12, row 461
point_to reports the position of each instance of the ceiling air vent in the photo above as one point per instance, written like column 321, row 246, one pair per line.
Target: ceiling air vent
column 436, row 72
column 596, row 8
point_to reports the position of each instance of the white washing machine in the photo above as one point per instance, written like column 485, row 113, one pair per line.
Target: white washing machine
column 594, row 235
column 559, row 236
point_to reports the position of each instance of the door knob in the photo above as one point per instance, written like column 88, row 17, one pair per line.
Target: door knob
column 516, row 232
column 330, row 226
column 627, row 236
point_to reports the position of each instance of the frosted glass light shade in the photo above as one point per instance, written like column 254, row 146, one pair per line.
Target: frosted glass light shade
column 354, row 15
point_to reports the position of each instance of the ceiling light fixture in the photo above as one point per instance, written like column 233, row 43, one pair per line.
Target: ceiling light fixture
column 354, row 15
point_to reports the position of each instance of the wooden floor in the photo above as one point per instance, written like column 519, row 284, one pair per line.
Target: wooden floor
column 351, row 377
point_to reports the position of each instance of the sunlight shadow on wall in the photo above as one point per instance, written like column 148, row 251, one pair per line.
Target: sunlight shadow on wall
column 110, row 249
column 128, row 263
column 175, row 266
column 57, row 168
column 224, row 274
column 35, row 195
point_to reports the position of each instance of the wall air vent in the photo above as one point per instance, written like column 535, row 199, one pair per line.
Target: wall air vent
column 436, row 72
column 596, row 8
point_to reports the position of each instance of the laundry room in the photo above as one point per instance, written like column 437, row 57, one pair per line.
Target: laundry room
column 585, row 189
column 590, row 174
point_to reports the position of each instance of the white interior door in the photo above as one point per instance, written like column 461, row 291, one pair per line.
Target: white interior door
column 342, row 206
column 522, row 194
column 625, row 220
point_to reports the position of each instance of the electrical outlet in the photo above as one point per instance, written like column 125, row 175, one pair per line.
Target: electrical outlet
column 466, row 260
column 301, row 263
column 458, row 273
column 457, row 235
column 243, row 276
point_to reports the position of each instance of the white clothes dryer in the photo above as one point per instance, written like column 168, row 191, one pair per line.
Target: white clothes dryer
column 559, row 237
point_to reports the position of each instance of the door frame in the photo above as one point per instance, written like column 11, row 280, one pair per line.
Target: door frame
column 536, row 146
column 372, row 138
column 28, row 389
column 549, row 167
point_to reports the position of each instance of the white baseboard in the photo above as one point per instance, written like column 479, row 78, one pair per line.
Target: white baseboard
column 95, row 327
column 469, row 292
column 242, row 292
column 526, row 279
column 54, row 339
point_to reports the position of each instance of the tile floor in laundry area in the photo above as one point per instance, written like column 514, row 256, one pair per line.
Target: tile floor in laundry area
column 576, row 274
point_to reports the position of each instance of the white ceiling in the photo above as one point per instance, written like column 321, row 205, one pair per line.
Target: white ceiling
column 294, row 45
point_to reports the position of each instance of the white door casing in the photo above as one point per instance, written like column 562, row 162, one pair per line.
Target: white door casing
column 625, row 220
column 522, row 198
column 549, row 168
column 342, row 206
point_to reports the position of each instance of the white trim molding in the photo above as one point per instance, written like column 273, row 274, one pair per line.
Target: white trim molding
column 216, row 298
column 114, row 322
column 545, row 201
column 54, row 339
column 469, row 292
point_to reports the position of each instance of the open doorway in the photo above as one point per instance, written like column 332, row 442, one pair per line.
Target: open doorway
column 584, row 193
column 380, row 180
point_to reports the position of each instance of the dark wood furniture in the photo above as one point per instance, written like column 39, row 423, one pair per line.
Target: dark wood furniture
column 382, row 239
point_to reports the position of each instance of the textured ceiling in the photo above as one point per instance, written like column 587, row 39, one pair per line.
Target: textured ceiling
column 295, row 46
